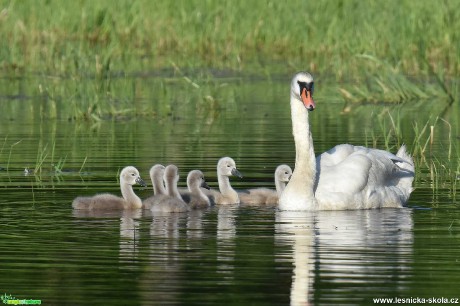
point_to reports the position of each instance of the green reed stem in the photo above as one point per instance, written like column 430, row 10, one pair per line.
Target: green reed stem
column 84, row 162
column 9, row 156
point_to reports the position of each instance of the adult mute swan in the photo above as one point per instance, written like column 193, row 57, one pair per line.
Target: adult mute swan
column 345, row 177
column 261, row 196
column 128, row 177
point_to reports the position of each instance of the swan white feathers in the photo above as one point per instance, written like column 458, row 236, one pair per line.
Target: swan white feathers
column 345, row 177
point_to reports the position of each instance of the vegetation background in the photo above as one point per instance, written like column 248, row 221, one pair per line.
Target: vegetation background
column 328, row 37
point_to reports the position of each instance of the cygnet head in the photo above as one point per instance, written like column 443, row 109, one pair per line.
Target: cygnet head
column 195, row 178
column 283, row 173
column 157, row 170
column 227, row 167
column 171, row 174
column 130, row 176
column 302, row 87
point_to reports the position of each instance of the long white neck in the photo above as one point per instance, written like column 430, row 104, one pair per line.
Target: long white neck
column 130, row 197
column 196, row 191
column 171, row 186
column 279, row 186
column 226, row 189
column 299, row 194
column 157, row 182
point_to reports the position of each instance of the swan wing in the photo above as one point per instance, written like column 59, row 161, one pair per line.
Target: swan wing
column 353, row 177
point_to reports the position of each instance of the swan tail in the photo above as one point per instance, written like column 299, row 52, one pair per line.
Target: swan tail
column 407, row 171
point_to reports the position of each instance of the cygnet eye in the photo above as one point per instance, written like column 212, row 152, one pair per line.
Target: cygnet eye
column 286, row 172
column 133, row 174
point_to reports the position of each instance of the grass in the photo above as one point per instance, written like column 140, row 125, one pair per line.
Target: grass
column 96, row 39
column 438, row 159
column 391, row 86
column 88, row 54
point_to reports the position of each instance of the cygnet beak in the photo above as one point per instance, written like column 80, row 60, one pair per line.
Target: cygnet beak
column 237, row 173
column 141, row 182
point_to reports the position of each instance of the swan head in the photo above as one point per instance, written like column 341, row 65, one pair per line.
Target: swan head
column 157, row 170
column 302, row 87
column 195, row 178
column 227, row 167
column 171, row 174
column 131, row 176
column 283, row 173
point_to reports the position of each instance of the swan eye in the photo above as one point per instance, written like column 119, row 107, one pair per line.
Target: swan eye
column 133, row 174
column 286, row 173
column 308, row 86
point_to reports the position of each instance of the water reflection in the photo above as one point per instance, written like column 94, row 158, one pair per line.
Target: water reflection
column 161, row 280
column 129, row 229
column 129, row 235
column 344, row 248
column 195, row 225
column 226, row 231
column 295, row 228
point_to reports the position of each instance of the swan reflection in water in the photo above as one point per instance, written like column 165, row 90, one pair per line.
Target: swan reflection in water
column 226, row 245
column 129, row 228
column 342, row 248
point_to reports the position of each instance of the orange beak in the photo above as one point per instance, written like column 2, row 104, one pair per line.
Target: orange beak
column 307, row 99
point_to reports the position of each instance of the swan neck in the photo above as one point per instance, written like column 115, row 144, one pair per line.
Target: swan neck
column 224, row 185
column 130, row 197
column 158, row 187
column 302, row 135
column 196, row 191
column 279, row 186
column 299, row 194
column 226, row 189
column 172, row 189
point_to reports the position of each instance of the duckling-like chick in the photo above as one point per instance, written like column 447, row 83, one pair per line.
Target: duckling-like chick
column 266, row 196
column 128, row 177
column 173, row 201
column 226, row 167
column 159, row 192
column 196, row 181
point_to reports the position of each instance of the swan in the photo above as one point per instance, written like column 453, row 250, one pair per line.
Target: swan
column 128, row 177
column 196, row 181
column 173, row 201
column 226, row 167
column 267, row 196
column 156, row 176
column 346, row 176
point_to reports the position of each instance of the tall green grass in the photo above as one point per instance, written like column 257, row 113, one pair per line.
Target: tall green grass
column 88, row 54
column 95, row 38
column 436, row 156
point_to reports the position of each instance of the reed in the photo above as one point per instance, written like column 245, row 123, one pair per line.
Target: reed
column 3, row 145
column 41, row 157
column 11, row 151
column 81, row 39
column 437, row 159
column 88, row 54
column 390, row 85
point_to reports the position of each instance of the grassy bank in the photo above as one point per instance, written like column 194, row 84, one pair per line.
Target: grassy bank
column 326, row 37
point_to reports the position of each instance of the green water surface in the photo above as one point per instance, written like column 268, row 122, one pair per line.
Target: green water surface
column 229, row 255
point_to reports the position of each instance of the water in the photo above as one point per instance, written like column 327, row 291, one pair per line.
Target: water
column 225, row 255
